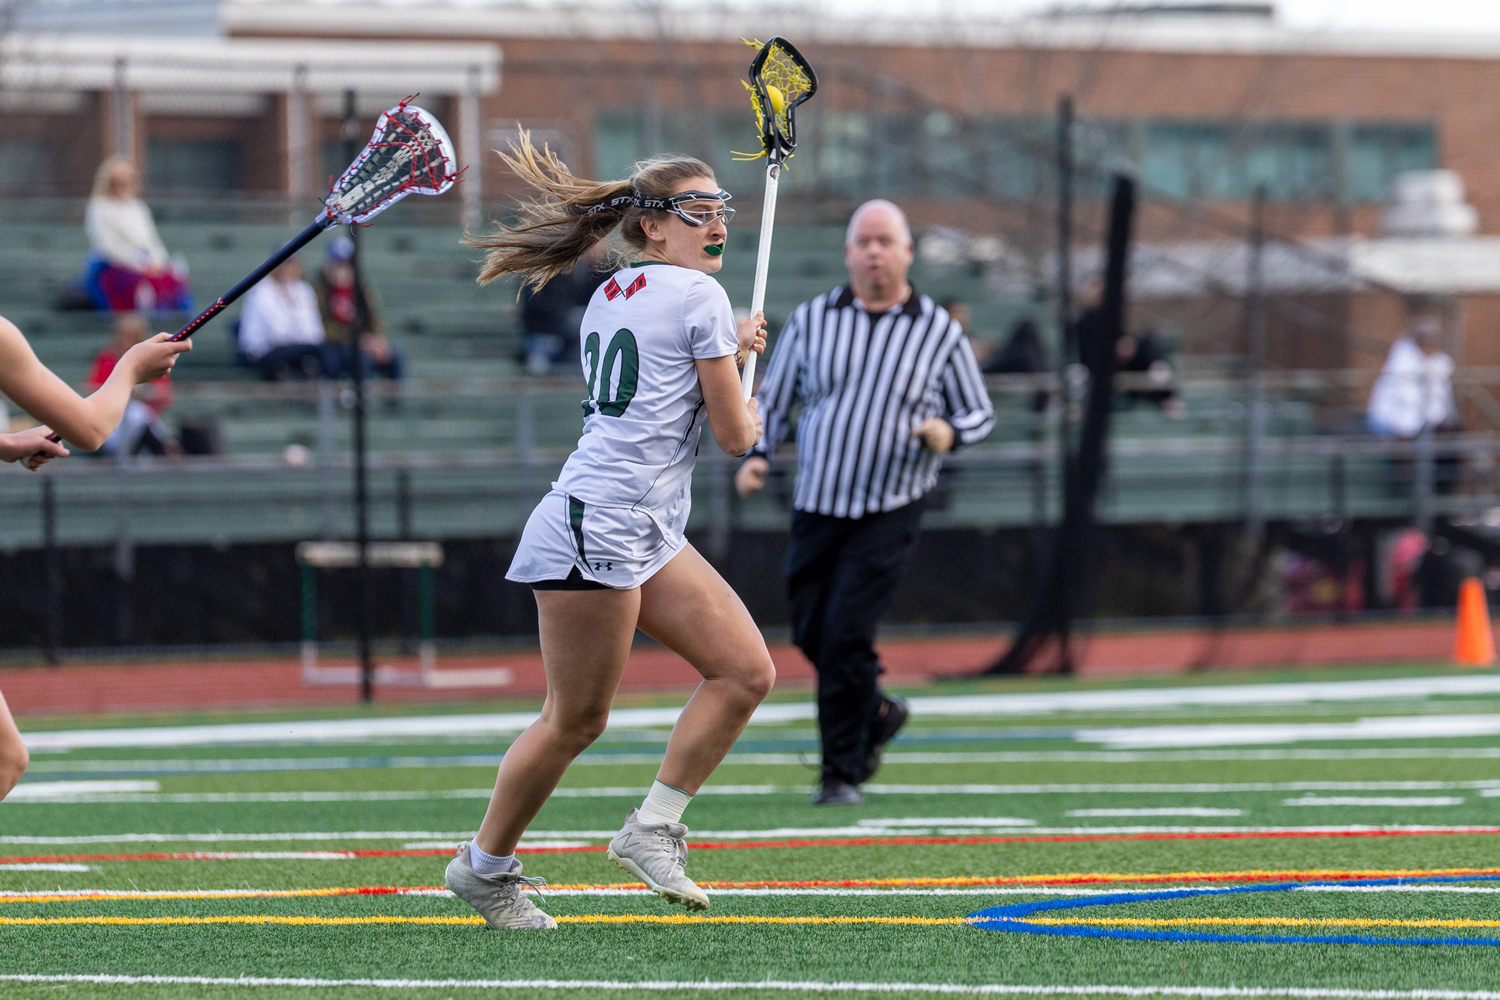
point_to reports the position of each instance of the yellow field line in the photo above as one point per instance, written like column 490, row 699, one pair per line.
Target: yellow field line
column 683, row 918
column 1248, row 921
column 597, row 918
column 961, row 880
column 125, row 895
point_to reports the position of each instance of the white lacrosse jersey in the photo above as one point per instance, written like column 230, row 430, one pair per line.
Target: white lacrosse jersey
column 643, row 330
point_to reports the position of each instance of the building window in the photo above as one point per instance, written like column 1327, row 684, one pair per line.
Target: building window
column 25, row 165
column 1377, row 153
column 1227, row 162
column 621, row 139
column 192, row 166
column 935, row 154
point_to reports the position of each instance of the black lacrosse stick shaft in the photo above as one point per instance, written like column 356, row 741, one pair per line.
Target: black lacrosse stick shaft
column 223, row 302
column 301, row 240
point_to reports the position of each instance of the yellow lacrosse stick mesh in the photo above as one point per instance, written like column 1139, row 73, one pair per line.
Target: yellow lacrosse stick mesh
column 780, row 79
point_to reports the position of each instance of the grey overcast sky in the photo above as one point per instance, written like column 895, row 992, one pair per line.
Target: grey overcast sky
column 1427, row 16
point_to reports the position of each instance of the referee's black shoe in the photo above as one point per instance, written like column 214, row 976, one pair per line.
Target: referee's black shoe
column 837, row 792
column 889, row 719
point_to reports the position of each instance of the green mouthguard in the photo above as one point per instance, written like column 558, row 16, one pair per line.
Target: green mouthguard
column 714, row 248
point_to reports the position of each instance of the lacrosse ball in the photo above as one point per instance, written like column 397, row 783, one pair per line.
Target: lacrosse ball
column 778, row 103
column 297, row 455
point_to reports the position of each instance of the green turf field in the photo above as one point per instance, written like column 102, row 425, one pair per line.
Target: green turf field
column 1336, row 832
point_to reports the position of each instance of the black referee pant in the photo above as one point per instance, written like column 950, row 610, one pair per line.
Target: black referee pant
column 841, row 574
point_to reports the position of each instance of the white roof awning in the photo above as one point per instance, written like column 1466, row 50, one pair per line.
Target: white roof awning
column 245, row 65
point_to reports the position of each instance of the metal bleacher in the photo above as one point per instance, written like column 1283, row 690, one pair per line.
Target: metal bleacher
column 466, row 444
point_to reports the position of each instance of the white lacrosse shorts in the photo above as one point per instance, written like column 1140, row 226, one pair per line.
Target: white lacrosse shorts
column 618, row 547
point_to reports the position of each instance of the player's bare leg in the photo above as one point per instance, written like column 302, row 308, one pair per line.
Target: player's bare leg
column 586, row 636
column 688, row 608
column 586, row 639
column 13, row 755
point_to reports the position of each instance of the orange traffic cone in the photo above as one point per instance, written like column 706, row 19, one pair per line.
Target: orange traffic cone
column 1475, row 644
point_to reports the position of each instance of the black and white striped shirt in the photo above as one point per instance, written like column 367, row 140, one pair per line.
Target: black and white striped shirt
column 865, row 383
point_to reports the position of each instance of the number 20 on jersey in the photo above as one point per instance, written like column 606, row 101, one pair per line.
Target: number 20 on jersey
column 622, row 348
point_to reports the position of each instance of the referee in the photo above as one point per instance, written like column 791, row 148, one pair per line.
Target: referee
column 887, row 383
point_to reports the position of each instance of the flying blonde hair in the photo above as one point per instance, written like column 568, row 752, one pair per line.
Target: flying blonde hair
column 572, row 214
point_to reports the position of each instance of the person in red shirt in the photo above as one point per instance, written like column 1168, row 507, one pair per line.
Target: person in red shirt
column 142, row 427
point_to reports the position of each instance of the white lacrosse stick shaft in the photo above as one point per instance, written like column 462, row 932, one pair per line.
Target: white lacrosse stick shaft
column 762, row 265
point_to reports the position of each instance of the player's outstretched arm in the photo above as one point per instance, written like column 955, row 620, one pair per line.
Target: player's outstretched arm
column 86, row 422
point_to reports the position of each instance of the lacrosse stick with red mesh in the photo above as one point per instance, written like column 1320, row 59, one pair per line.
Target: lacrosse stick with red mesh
column 780, row 80
column 408, row 154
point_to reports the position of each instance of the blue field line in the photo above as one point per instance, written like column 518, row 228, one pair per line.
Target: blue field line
column 1009, row 918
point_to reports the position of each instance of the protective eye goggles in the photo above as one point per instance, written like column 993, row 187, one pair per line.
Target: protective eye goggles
column 695, row 217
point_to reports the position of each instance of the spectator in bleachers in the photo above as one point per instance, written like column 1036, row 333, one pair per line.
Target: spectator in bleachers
column 142, row 427
column 960, row 313
column 281, row 331
column 1146, row 355
column 1021, row 354
column 1415, row 388
column 129, row 269
column 552, row 314
column 1415, row 391
column 345, row 303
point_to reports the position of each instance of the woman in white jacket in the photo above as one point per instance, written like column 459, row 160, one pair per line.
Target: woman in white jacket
column 130, row 270
column 1415, row 388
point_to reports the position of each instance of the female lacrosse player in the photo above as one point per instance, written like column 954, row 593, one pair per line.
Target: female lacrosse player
column 604, row 552
column 86, row 422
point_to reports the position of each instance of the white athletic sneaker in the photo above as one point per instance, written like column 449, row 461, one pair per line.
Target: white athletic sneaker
column 656, row 854
column 498, row 898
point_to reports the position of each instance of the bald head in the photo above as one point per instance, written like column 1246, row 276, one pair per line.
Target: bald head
column 878, row 253
column 886, row 213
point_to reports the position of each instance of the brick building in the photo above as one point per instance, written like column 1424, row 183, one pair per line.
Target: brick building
column 952, row 118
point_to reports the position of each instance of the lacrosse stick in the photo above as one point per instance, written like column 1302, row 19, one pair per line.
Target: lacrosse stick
column 780, row 79
column 408, row 154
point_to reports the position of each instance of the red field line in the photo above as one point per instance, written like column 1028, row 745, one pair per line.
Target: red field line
column 1113, row 878
column 735, row 845
column 1097, row 878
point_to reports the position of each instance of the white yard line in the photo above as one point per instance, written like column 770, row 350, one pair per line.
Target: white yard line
column 1399, row 888
column 237, row 765
column 1374, row 800
column 866, row 828
column 223, row 838
column 84, row 792
column 47, row 790
column 774, row 985
column 1202, row 811
column 1407, row 727
column 962, row 706
column 48, row 866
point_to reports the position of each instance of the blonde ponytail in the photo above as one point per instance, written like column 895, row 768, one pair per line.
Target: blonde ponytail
column 573, row 214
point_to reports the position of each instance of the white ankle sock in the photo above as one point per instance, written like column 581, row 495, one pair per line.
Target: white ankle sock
column 489, row 864
column 663, row 804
